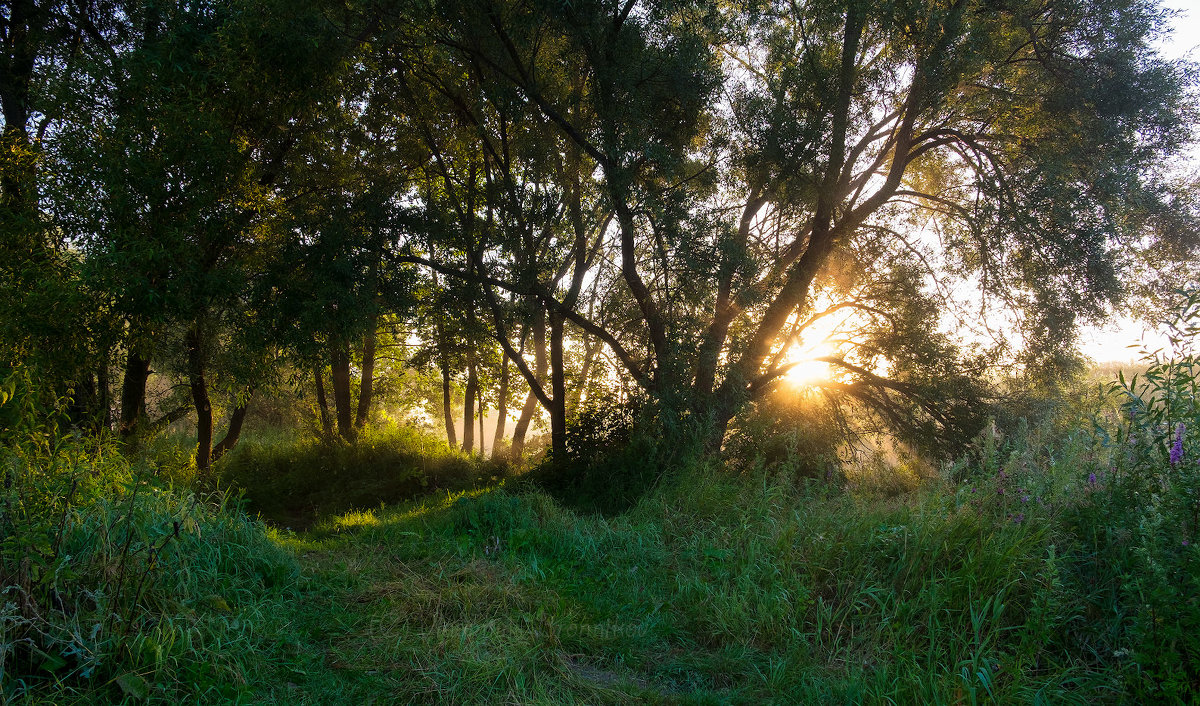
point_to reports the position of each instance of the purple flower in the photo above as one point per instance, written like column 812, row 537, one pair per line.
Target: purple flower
column 1019, row 518
column 1091, row 479
column 1177, row 447
column 1185, row 542
column 1024, row 498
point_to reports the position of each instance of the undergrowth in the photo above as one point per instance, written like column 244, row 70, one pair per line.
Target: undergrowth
column 294, row 481
column 113, row 584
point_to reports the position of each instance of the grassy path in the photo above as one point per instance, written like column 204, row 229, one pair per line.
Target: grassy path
column 429, row 604
column 724, row 592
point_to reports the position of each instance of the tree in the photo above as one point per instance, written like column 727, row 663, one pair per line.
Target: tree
column 749, row 156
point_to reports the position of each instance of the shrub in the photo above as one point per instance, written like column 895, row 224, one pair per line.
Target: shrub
column 114, row 584
column 294, row 482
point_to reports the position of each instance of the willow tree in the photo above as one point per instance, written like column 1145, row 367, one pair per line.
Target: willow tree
column 757, row 157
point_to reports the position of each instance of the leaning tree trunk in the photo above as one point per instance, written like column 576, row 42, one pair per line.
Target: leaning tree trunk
column 232, row 434
column 531, row 401
column 322, row 403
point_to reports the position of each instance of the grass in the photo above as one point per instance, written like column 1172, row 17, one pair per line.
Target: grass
column 293, row 482
column 1049, row 566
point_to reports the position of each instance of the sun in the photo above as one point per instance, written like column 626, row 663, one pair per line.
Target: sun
column 808, row 373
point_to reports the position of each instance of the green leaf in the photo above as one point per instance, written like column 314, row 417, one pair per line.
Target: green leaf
column 134, row 685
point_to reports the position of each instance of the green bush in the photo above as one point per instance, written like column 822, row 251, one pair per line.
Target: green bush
column 293, row 482
column 115, row 585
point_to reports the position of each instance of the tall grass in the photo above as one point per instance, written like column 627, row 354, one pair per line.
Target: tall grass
column 113, row 584
column 293, row 481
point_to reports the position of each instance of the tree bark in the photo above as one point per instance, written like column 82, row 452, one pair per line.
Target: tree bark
column 133, row 393
column 366, row 385
column 322, row 403
column 199, row 387
column 502, row 403
column 558, row 398
column 447, row 408
column 232, row 434
column 468, row 444
column 531, row 401
column 339, row 373
column 482, row 412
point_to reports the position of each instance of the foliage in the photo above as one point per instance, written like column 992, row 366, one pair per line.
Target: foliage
column 295, row 482
column 117, row 586
column 791, row 430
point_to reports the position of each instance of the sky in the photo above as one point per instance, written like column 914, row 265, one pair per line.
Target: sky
column 1110, row 343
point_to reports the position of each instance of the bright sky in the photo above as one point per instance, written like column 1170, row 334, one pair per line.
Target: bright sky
column 1109, row 343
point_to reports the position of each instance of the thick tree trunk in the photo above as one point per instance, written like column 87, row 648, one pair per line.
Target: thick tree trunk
column 322, row 403
column 502, row 404
column 133, row 393
column 531, row 401
column 558, row 397
column 339, row 373
column 447, row 408
column 468, row 444
column 232, row 434
column 366, row 385
column 199, row 386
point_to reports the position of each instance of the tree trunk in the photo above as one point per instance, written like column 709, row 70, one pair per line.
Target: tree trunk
column 103, row 382
column 468, row 444
column 133, row 393
column 199, row 387
column 339, row 373
column 322, row 403
column 558, row 398
column 232, row 434
column 502, row 403
column 531, row 401
column 447, row 408
column 590, row 348
column 366, row 385
column 17, row 65
column 482, row 414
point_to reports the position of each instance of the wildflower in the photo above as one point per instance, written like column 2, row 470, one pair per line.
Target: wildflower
column 1091, row 478
column 1024, row 498
column 1177, row 447
column 1019, row 518
column 1185, row 542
